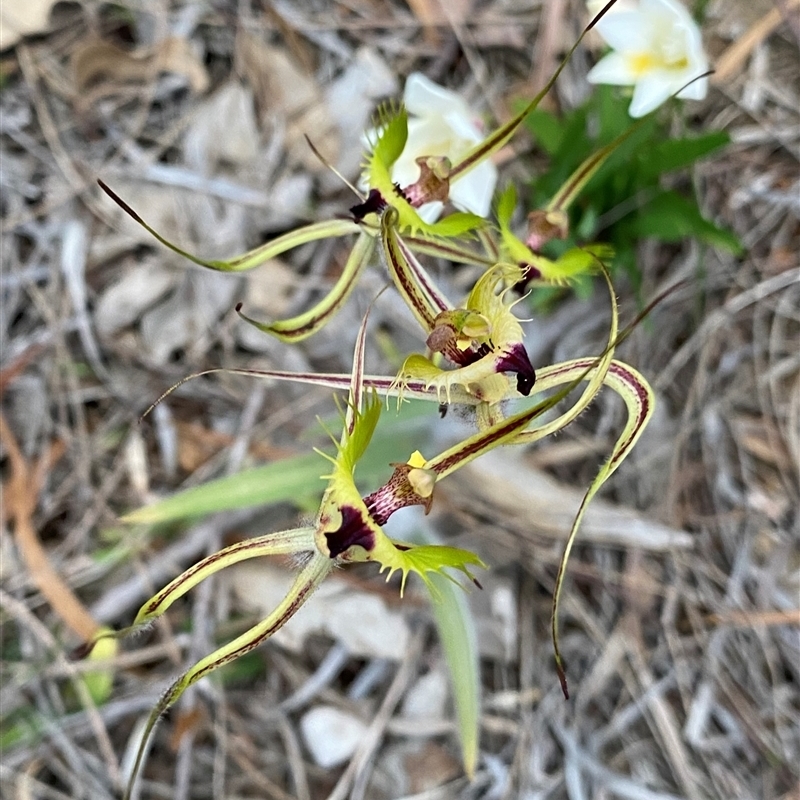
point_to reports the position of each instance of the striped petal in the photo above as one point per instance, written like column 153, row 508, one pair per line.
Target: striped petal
column 412, row 281
column 309, row 578
column 327, row 229
column 640, row 402
column 309, row 322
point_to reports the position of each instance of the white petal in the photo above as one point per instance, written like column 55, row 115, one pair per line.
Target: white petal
column 650, row 92
column 614, row 69
column 464, row 128
column 474, row 191
column 423, row 97
column 695, row 91
column 426, row 137
column 671, row 10
column 594, row 7
column 626, row 31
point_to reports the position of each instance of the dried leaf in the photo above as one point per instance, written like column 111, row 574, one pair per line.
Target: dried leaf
column 332, row 735
column 124, row 301
column 223, row 129
column 100, row 62
column 283, row 88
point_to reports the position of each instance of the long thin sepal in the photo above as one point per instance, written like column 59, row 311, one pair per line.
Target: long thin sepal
column 309, row 233
column 414, row 284
column 272, row 544
column 593, row 371
column 573, row 186
column 304, row 585
column 309, row 322
column 640, row 402
column 451, row 250
column 492, row 143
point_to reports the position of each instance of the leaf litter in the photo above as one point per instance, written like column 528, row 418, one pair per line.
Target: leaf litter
column 682, row 624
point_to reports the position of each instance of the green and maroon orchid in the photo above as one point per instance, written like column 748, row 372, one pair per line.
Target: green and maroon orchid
column 388, row 207
column 483, row 385
column 346, row 529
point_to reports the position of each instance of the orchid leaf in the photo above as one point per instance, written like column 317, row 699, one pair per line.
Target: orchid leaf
column 308, row 323
column 675, row 154
column 309, row 233
column 283, row 480
column 671, row 217
column 459, row 641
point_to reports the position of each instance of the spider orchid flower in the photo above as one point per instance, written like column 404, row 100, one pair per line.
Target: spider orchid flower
column 347, row 528
column 657, row 49
column 441, row 128
column 537, row 268
column 437, row 174
column 484, row 342
column 413, row 483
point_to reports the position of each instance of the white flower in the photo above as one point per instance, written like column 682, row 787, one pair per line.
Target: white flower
column 657, row 49
column 440, row 123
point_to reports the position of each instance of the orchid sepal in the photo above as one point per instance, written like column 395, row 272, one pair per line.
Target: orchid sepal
column 498, row 138
column 413, row 283
column 306, row 582
column 326, row 229
column 562, row 271
column 309, row 322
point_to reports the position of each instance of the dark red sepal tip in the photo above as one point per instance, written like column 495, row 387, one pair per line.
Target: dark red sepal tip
column 561, row 670
column 81, row 651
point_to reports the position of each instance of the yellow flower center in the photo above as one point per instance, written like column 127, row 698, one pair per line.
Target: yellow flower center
column 642, row 63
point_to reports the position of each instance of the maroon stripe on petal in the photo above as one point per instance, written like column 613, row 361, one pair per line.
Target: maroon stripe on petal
column 644, row 409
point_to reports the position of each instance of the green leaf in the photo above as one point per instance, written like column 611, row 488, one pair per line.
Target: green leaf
column 280, row 481
column 295, row 479
column 460, row 643
column 506, row 202
column 671, row 217
column 678, row 153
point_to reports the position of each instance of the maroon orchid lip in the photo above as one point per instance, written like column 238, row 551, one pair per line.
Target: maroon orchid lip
column 516, row 360
column 374, row 204
column 352, row 531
